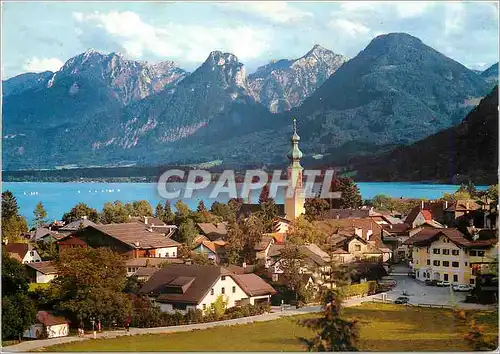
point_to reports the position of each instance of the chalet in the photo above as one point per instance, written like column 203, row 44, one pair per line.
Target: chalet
column 181, row 287
column 467, row 212
column 24, row 252
column 263, row 247
column 214, row 250
column 129, row 239
column 55, row 326
column 44, row 234
column 41, row 272
column 449, row 255
column 76, row 225
column 358, row 247
column 213, row 231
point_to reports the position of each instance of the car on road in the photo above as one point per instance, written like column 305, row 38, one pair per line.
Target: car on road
column 402, row 300
column 431, row 282
column 461, row 287
column 443, row 283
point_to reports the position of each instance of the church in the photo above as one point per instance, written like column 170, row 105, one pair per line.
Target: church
column 293, row 205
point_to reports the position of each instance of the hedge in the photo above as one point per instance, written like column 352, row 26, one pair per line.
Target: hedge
column 369, row 287
column 151, row 316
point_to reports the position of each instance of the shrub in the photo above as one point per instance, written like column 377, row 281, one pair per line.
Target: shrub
column 369, row 287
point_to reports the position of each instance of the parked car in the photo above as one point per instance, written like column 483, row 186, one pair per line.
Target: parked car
column 430, row 282
column 443, row 283
column 402, row 300
column 405, row 293
column 461, row 287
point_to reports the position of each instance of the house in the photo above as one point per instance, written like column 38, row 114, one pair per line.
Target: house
column 155, row 225
column 131, row 240
column 213, row 231
column 216, row 250
column 449, row 255
column 76, row 225
column 44, row 234
column 359, row 248
column 41, row 272
column 144, row 273
column 56, row 326
column 24, row 251
column 466, row 212
column 134, row 264
column 70, row 241
column 182, row 287
column 263, row 247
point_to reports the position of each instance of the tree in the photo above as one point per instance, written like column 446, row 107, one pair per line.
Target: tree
column 13, row 224
column 292, row 262
column 335, row 333
column 492, row 193
column 201, row 259
column 217, row 308
column 235, row 243
column 187, row 232
column 268, row 213
column 222, row 210
column 47, row 250
column 182, row 212
column 201, row 207
column 168, row 216
column 264, row 194
column 253, row 228
column 40, row 215
column 468, row 188
column 18, row 310
column 350, row 195
column 79, row 211
column 114, row 213
column 302, row 231
column 316, row 208
column 90, row 284
column 141, row 208
column 159, row 211
column 235, row 205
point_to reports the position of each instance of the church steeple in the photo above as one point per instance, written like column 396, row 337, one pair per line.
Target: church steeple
column 294, row 205
column 294, row 155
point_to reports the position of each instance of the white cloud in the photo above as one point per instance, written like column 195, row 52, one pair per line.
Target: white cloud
column 454, row 18
column 278, row 12
column 37, row 65
column 188, row 42
column 347, row 27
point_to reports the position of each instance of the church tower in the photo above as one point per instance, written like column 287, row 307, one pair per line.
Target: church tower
column 294, row 205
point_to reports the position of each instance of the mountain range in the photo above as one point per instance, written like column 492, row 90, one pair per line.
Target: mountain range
column 102, row 109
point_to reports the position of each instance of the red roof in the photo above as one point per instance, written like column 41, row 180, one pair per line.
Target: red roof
column 427, row 214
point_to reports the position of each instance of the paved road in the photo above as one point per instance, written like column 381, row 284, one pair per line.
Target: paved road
column 38, row 344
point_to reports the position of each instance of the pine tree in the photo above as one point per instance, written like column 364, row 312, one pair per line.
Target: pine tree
column 168, row 216
column 201, row 207
column 40, row 215
column 9, row 205
column 13, row 224
column 159, row 211
column 264, row 194
column 350, row 195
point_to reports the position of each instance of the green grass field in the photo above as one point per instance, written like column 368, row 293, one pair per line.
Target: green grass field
column 382, row 328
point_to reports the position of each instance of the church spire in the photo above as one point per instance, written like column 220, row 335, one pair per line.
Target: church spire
column 294, row 155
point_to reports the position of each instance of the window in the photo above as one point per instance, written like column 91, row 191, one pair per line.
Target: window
column 446, row 251
column 417, row 261
column 428, row 262
column 418, row 274
column 204, row 306
column 473, row 253
column 173, row 254
column 32, row 254
column 445, row 277
column 466, row 264
column 223, row 277
column 480, row 253
column 455, row 252
column 472, row 281
column 446, row 264
column 454, row 264
column 455, row 277
column 436, row 263
column 234, row 289
column 222, row 290
column 357, row 247
column 436, row 251
column 212, row 291
column 167, row 254
column 179, row 306
column 428, row 250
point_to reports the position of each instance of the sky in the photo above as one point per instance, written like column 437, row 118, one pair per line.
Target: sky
column 39, row 36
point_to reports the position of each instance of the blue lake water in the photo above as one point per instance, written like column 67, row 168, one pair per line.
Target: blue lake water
column 59, row 198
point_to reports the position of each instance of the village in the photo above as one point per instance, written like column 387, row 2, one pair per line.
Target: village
column 240, row 259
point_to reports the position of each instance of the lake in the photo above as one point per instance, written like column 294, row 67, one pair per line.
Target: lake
column 59, row 198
